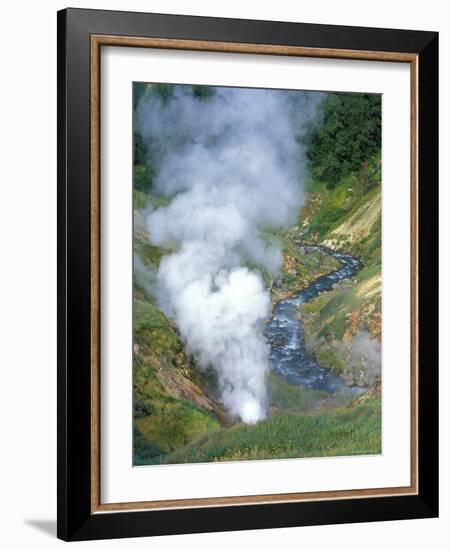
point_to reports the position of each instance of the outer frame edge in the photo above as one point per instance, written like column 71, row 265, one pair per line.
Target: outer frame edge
column 161, row 523
column 424, row 505
column 61, row 279
column 428, row 189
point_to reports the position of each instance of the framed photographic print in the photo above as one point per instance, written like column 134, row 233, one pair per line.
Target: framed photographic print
column 247, row 252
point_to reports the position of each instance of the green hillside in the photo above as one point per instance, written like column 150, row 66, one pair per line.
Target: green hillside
column 346, row 431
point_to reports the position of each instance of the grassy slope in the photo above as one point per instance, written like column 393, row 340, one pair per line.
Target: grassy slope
column 333, row 319
column 295, row 399
column 347, row 431
column 359, row 230
column 170, row 408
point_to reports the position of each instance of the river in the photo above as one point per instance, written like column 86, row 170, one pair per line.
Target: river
column 288, row 354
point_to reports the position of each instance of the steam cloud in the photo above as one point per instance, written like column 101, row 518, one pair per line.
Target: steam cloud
column 364, row 358
column 361, row 356
column 232, row 166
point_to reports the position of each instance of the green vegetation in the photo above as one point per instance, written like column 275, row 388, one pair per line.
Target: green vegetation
column 347, row 310
column 172, row 425
column 347, row 431
column 143, row 176
column 149, row 254
column 347, row 138
column 328, row 358
column 299, row 268
column 147, row 320
column 202, row 92
column 142, row 170
column 163, row 418
column 358, row 231
column 287, row 397
column 334, row 207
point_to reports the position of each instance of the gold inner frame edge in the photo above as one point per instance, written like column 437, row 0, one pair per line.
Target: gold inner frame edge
column 97, row 41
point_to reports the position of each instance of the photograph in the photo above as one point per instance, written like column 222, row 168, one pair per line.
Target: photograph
column 257, row 273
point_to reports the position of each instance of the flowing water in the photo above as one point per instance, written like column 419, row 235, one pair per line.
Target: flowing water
column 288, row 354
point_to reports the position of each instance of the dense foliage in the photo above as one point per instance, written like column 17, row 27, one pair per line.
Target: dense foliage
column 348, row 136
column 142, row 170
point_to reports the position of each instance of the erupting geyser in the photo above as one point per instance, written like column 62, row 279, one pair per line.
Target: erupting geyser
column 232, row 165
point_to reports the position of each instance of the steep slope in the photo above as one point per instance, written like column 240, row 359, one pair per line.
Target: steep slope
column 171, row 406
column 359, row 230
column 343, row 326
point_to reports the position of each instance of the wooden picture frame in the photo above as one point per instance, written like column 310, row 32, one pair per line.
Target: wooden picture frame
column 81, row 35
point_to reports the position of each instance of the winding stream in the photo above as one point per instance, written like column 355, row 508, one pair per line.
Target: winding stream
column 288, row 354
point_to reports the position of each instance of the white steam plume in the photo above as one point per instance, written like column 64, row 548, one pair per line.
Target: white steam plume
column 232, row 165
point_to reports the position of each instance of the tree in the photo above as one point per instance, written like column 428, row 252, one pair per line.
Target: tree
column 349, row 135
